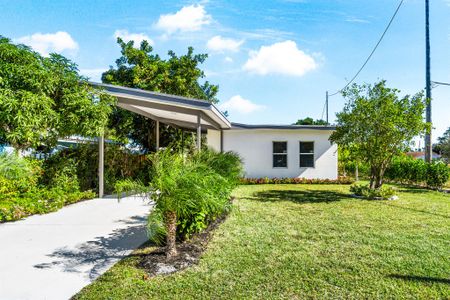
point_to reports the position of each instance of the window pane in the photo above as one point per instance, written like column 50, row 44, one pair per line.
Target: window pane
column 279, row 147
column 280, row 161
column 306, row 161
column 306, row 147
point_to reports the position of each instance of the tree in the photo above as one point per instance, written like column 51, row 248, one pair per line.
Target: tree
column 443, row 145
column 141, row 68
column 44, row 98
column 378, row 125
column 310, row 121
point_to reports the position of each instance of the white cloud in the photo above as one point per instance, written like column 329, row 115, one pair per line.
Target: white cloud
column 137, row 38
column 280, row 58
column 228, row 59
column 356, row 20
column 220, row 44
column 93, row 74
column 189, row 18
column 45, row 43
column 240, row 105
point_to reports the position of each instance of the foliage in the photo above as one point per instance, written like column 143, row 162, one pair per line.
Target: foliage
column 191, row 190
column 363, row 190
column 310, row 121
column 306, row 242
column 405, row 169
column 21, row 193
column 44, row 98
column 129, row 187
column 120, row 163
column 438, row 174
column 443, row 146
column 378, row 125
column 287, row 180
column 141, row 68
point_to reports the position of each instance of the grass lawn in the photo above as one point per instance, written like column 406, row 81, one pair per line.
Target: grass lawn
column 308, row 241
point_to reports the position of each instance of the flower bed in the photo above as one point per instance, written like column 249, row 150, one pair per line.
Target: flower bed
column 266, row 180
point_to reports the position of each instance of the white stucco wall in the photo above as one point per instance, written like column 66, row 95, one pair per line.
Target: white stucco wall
column 255, row 148
column 213, row 139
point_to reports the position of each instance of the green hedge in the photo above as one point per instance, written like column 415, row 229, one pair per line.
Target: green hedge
column 417, row 172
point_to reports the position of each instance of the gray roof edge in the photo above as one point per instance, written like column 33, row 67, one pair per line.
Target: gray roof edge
column 289, row 127
column 203, row 104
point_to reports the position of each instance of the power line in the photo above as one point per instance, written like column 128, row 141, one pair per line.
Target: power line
column 373, row 51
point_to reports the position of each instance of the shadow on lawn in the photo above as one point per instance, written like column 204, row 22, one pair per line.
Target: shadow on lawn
column 298, row 196
column 420, row 278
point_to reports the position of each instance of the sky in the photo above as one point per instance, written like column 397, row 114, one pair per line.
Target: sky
column 273, row 60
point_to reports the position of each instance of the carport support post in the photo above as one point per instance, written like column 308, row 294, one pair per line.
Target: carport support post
column 199, row 132
column 157, row 135
column 101, row 164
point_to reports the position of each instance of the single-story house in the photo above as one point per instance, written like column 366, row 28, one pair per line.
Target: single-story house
column 266, row 150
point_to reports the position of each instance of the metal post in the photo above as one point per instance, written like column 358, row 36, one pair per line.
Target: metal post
column 326, row 104
column 101, row 165
column 199, row 132
column 428, row 147
column 157, row 135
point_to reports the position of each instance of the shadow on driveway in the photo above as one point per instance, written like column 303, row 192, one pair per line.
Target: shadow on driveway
column 94, row 256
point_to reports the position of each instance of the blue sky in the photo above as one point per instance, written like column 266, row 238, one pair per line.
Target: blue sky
column 273, row 60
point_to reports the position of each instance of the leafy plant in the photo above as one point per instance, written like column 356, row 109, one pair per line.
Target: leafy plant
column 365, row 191
column 266, row 180
column 44, row 98
column 377, row 124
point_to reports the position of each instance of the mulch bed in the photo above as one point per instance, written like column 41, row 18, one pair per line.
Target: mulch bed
column 189, row 253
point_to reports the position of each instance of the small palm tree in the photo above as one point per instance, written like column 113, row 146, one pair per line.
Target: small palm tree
column 185, row 184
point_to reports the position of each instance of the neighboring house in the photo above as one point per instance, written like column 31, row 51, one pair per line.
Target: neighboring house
column 266, row 150
column 421, row 155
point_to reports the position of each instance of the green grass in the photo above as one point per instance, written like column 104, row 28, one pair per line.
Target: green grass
column 308, row 242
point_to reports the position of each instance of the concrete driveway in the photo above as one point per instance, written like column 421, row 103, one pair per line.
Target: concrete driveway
column 53, row 256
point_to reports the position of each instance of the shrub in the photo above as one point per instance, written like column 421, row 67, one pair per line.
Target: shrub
column 120, row 163
column 190, row 191
column 365, row 191
column 438, row 174
column 405, row 169
column 287, row 180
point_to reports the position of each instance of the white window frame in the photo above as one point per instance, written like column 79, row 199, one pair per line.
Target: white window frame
column 273, row 154
column 300, row 154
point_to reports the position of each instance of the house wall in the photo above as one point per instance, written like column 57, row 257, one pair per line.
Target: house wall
column 255, row 148
column 213, row 139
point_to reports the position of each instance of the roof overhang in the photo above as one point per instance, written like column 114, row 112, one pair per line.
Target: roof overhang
column 239, row 126
column 168, row 109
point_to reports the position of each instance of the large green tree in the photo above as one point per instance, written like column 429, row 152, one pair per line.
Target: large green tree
column 142, row 68
column 44, row 98
column 378, row 124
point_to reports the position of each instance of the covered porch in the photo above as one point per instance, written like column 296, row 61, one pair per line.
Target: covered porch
column 180, row 112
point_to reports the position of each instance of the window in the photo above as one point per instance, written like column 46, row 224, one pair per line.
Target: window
column 306, row 154
column 280, row 154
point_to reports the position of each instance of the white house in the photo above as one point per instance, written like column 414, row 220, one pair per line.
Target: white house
column 280, row 151
column 266, row 150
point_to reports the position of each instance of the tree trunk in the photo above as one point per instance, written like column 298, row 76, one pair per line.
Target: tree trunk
column 376, row 178
column 356, row 172
column 171, row 227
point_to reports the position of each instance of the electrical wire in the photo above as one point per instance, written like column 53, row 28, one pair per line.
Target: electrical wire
column 373, row 51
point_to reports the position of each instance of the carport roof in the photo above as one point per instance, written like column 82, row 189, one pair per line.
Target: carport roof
column 168, row 109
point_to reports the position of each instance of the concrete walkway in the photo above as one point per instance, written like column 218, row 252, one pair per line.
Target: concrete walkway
column 53, row 256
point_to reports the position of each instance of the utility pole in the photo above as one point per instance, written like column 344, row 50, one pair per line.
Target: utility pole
column 428, row 148
column 326, row 104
